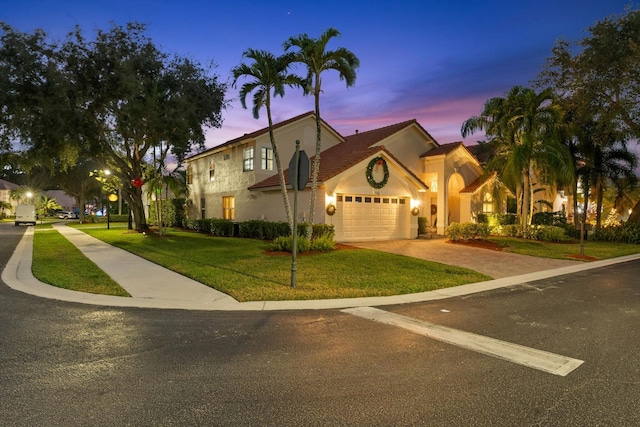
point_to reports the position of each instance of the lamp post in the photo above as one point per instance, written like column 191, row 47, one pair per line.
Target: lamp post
column 112, row 198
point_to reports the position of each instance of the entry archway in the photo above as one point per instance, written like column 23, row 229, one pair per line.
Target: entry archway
column 455, row 184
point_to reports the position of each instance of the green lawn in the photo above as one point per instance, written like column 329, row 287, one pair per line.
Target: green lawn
column 58, row 262
column 244, row 269
column 594, row 250
column 248, row 271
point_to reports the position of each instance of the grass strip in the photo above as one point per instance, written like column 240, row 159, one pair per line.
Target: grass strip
column 58, row 262
column 244, row 269
column 570, row 250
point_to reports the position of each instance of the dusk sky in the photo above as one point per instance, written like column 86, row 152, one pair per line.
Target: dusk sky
column 434, row 61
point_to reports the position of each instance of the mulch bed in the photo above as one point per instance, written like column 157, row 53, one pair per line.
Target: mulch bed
column 582, row 257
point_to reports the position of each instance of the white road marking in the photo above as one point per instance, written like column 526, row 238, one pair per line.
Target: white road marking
column 526, row 356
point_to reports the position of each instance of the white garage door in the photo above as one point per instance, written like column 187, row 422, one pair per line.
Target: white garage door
column 372, row 217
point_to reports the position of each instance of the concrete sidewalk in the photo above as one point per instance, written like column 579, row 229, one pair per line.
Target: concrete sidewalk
column 152, row 286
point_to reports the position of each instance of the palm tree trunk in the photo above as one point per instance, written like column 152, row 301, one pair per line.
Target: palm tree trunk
column 283, row 184
column 316, row 166
column 634, row 217
column 599, row 195
column 575, row 203
column 526, row 194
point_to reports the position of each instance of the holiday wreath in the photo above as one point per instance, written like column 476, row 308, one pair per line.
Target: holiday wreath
column 378, row 161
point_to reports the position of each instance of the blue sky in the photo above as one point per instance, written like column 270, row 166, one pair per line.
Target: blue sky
column 434, row 61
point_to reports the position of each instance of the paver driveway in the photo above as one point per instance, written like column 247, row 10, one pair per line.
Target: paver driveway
column 496, row 264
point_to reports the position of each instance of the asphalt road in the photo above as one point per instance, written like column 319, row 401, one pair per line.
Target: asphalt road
column 65, row 364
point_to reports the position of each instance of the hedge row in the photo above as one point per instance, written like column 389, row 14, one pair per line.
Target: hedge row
column 215, row 226
column 547, row 233
column 254, row 229
column 467, row 231
column 95, row 219
column 625, row 233
column 476, row 231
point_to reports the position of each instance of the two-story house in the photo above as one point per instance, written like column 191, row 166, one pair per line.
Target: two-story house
column 371, row 185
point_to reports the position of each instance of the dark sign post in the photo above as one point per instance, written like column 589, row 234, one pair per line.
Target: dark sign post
column 298, row 178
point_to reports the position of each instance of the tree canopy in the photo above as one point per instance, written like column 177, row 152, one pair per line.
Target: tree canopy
column 313, row 54
column 117, row 100
column 597, row 81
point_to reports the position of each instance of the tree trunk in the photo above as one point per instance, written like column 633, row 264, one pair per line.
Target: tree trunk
column 316, row 166
column 634, row 217
column 526, row 194
column 283, row 183
column 133, row 196
column 575, row 203
column 599, row 195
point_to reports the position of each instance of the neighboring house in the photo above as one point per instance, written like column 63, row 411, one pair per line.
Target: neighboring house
column 64, row 200
column 372, row 185
column 5, row 197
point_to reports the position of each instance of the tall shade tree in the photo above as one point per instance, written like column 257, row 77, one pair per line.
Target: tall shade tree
column 35, row 108
column 599, row 80
column 152, row 105
column 314, row 55
column 522, row 127
column 115, row 100
column 267, row 74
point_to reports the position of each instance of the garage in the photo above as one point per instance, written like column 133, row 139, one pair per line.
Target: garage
column 367, row 217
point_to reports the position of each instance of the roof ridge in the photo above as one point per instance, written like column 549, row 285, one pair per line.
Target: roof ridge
column 406, row 122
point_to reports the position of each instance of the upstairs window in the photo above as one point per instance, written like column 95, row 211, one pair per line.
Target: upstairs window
column 247, row 156
column 266, row 159
column 212, row 170
column 189, row 175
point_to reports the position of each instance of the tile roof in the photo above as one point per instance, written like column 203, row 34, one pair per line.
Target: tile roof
column 482, row 152
column 479, row 182
column 341, row 157
column 260, row 132
column 6, row 185
column 443, row 149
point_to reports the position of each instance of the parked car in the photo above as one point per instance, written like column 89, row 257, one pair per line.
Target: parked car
column 67, row 215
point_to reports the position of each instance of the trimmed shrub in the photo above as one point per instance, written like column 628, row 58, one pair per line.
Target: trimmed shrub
column 259, row 229
column 221, row 227
column 551, row 233
column 285, row 244
column 558, row 219
column 422, row 225
column 323, row 244
column 467, row 231
column 509, row 230
column 625, row 233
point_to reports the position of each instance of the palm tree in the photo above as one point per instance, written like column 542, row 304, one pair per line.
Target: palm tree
column 621, row 195
column 609, row 163
column 523, row 128
column 267, row 73
column 313, row 54
column 48, row 205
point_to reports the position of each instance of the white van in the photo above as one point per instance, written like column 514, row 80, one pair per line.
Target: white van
column 26, row 214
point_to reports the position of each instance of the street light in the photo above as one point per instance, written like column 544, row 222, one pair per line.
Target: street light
column 112, row 198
